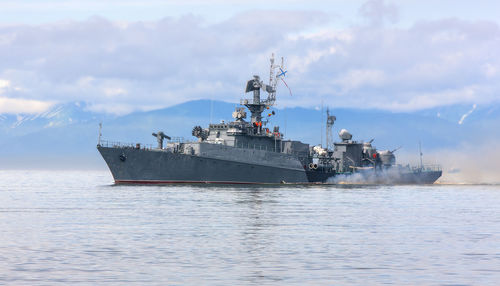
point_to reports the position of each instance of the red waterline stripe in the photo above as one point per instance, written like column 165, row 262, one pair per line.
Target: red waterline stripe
column 186, row 182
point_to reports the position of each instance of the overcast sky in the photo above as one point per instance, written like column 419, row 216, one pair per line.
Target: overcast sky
column 122, row 56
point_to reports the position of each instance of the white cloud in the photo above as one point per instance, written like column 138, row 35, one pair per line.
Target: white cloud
column 490, row 70
column 19, row 105
column 361, row 77
column 114, row 91
column 4, row 84
column 425, row 100
column 377, row 12
column 126, row 66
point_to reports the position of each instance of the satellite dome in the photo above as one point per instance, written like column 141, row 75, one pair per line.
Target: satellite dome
column 345, row 135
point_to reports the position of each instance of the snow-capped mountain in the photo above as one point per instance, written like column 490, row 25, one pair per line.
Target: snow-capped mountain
column 57, row 116
column 67, row 133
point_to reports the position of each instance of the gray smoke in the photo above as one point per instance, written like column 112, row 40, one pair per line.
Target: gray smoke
column 367, row 177
column 469, row 164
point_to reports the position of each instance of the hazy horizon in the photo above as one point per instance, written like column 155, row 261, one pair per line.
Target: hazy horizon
column 66, row 141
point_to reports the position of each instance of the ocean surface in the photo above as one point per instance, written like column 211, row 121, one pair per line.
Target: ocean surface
column 77, row 228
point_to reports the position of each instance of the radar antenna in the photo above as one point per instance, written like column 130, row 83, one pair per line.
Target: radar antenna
column 421, row 154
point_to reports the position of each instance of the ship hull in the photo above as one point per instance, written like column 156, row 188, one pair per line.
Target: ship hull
column 415, row 177
column 424, row 177
column 149, row 166
column 140, row 166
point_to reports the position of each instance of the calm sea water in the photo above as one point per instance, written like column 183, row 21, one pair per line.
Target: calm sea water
column 77, row 228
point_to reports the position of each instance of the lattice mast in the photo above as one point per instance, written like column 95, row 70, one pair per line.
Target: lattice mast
column 273, row 79
column 330, row 120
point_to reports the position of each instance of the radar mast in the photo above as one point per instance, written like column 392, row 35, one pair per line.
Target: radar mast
column 257, row 106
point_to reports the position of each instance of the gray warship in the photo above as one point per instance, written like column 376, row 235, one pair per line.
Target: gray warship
column 249, row 152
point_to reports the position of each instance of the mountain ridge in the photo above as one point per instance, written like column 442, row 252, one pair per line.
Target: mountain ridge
column 70, row 130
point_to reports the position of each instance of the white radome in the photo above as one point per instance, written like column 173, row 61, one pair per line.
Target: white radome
column 345, row 135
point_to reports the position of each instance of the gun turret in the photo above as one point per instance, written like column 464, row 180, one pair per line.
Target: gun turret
column 159, row 137
column 392, row 151
column 199, row 133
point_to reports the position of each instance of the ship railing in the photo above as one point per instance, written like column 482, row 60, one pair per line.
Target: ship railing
column 431, row 168
column 178, row 140
column 244, row 101
column 269, row 148
column 118, row 144
column 256, row 147
column 426, row 168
